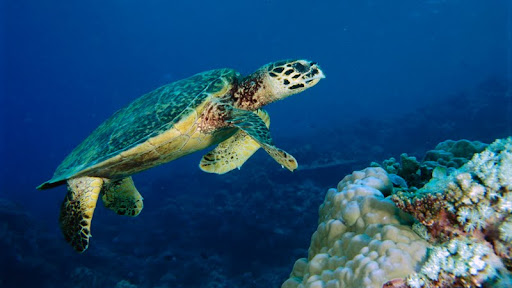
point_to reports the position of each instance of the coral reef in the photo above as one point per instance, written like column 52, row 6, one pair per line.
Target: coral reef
column 362, row 239
column 462, row 236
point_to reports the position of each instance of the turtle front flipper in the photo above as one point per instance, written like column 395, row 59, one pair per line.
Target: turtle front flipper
column 256, row 128
column 122, row 197
column 77, row 210
column 233, row 152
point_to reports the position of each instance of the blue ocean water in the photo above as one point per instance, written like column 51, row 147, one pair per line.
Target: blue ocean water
column 401, row 77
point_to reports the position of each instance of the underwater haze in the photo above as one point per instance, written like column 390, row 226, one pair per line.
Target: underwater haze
column 401, row 77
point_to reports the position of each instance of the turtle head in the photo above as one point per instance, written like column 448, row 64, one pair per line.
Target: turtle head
column 285, row 78
column 276, row 81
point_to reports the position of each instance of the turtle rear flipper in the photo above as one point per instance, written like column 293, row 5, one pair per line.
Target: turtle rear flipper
column 256, row 128
column 122, row 197
column 233, row 152
column 77, row 210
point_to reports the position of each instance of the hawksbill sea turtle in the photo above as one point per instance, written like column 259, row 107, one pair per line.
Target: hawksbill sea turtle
column 213, row 107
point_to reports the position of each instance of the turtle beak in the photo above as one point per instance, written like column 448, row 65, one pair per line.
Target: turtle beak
column 321, row 74
column 313, row 75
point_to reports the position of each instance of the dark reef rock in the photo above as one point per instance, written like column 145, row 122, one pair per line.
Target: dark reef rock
column 447, row 156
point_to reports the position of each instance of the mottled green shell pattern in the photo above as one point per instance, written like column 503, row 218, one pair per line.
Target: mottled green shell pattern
column 146, row 117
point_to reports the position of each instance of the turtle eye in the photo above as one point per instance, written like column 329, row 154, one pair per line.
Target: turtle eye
column 299, row 67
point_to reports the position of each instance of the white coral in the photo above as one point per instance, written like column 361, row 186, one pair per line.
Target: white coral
column 476, row 219
column 463, row 215
column 460, row 269
column 463, row 250
column 431, row 270
column 505, row 202
column 494, row 165
column 476, row 192
column 506, row 231
column 486, row 211
column 470, row 226
column 436, row 262
column 475, row 265
column 415, row 281
column 458, row 257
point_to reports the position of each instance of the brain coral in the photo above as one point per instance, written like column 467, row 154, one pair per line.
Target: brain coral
column 362, row 240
